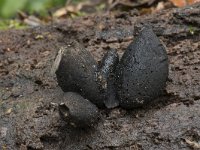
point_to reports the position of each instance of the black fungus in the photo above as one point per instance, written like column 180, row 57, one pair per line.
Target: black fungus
column 77, row 111
column 138, row 78
column 76, row 71
column 142, row 71
column 107, row 78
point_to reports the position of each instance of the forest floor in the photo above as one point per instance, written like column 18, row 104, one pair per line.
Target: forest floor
column 28, row 92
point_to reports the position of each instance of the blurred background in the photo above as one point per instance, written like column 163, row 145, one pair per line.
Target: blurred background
column 21, row 13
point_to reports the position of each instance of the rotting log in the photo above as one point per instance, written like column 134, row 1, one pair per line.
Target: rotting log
column 29, row 117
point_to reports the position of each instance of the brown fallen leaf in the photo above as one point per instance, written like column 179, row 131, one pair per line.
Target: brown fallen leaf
column 193, row 144
column 4, row 147
column 32, row 21
column 129, row 3
column 29, row 20
column 8, row 111
column 182, row 3
column 160, row 6
column 178, row 3
column 71, row 8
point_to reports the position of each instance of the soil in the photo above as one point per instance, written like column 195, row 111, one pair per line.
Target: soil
column 29, row 93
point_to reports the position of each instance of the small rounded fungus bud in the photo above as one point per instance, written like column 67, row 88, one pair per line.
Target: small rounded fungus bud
column 77, row 111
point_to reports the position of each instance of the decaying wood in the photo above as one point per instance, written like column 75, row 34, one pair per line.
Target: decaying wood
column 29, row 94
